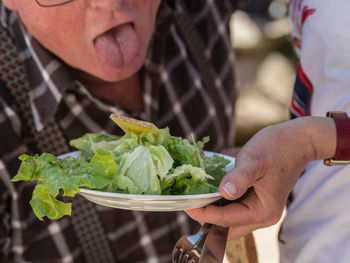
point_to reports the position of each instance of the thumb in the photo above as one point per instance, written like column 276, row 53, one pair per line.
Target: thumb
column 237, row 181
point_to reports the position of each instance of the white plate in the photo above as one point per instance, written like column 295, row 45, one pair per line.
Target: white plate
column 155, row 203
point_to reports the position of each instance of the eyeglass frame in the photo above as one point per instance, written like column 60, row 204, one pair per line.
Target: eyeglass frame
column 54, row 5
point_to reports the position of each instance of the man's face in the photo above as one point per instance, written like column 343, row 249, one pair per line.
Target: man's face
column 105, row 38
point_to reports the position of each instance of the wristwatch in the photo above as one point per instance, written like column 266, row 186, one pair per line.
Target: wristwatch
column 342, row 152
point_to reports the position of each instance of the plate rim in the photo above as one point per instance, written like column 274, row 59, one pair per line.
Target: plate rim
column 145, row 197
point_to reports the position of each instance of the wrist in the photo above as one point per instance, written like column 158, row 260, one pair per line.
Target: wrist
column 319, row 136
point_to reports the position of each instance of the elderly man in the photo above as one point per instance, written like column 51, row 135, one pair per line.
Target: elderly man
column 65, row 66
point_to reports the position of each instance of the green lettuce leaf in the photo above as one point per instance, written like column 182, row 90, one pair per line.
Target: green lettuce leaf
column 187, row 179
column 69, row 174
column 183, row 152
column 88, row 143
column 105, row 159
column 45, row 204
column 215, row 166
column 162, row 160
column 117, row 145
column 142, row 166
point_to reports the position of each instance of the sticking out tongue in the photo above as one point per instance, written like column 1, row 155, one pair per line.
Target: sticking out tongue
column 118, row 46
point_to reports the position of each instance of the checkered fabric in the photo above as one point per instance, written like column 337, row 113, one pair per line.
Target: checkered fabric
column 13, row 73
column 175, row 95
column 86, row 222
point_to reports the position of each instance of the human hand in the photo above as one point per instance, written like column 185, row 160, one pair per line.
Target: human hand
column 271, row 162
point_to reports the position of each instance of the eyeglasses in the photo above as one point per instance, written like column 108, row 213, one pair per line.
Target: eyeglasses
column 52, row 3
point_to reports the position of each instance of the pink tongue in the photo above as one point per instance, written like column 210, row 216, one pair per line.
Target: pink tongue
column 117, row 47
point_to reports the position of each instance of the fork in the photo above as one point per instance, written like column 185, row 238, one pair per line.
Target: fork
column 193, row 249
column 188, row 249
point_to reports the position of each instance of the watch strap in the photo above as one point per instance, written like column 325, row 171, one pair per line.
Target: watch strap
column 342, row 153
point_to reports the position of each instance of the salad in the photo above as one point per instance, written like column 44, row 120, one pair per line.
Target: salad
column 140, row 162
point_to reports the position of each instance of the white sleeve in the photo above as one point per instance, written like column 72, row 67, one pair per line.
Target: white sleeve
column 325, row 54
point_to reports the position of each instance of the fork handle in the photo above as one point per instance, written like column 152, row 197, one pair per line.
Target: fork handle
column 204, row 230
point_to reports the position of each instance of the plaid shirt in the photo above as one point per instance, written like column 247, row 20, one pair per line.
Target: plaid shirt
column 174, row 96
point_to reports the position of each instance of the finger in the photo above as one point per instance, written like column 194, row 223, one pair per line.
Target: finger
column 237, row 232
column 196, row 214
column 237, row 181
column 234, row 214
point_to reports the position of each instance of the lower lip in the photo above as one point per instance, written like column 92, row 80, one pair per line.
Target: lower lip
column 118, row 47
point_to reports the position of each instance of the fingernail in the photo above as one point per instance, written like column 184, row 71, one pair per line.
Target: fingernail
column 230, row 188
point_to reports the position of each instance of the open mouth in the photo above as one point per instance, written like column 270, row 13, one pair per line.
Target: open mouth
column 118, row 46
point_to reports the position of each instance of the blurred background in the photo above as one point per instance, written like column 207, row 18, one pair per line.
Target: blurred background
column 265, row 69
column 265, row 65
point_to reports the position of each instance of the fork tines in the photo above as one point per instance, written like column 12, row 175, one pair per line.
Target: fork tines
column 183, row 257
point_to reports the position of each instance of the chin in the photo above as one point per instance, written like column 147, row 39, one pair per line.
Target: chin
column 114, row 76
column 110, row 74
column 110, row 77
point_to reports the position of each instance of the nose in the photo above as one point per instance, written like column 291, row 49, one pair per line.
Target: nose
column 110, row 5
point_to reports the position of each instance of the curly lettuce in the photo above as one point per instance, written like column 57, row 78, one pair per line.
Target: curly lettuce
column 134, row 164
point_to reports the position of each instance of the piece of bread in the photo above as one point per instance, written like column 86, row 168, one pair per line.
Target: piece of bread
column 241, row 250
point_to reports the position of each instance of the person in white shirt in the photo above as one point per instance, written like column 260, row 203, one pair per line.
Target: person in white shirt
column 284, row 162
